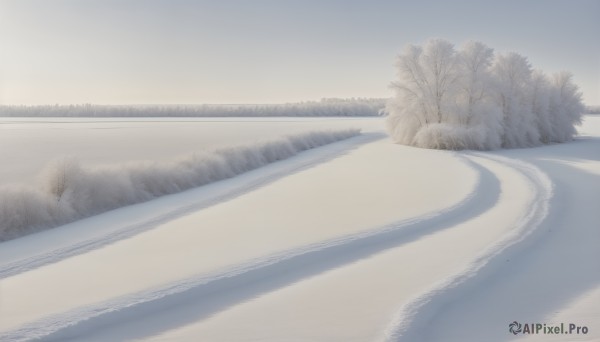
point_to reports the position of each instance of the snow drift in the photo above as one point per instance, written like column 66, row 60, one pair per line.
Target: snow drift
column 68, row 191
column 473, row 99
column 325, row 107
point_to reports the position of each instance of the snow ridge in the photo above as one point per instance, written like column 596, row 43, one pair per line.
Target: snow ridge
column 412, row 319
column 287, row 266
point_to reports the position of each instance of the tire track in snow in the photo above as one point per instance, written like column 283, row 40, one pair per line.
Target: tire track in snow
column 201, row 296
column 413, row 317
column 304, row 160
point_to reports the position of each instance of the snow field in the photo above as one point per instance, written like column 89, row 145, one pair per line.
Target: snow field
column 203, row 236
column 357, row 240
column 413, row 319
column 549, row 275
column 356, row 299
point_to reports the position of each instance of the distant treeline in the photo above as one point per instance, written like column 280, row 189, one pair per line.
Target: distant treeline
column 325, row 107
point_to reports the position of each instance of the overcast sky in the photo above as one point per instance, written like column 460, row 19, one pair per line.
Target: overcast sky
column 266, row 51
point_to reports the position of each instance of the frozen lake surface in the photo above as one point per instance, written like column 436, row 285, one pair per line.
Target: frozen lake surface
column 27, row 144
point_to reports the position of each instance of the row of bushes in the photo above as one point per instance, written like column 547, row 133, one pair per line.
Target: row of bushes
column 68, row 191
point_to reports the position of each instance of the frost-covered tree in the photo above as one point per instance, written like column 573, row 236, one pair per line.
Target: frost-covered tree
column 443, row 98
column 556, row 103
column 512, row 80
column 540, row 102
column 427, row 80
column 474, row 99
column 428, row 75
column 565, row 107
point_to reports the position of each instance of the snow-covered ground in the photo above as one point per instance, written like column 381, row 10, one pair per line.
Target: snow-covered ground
column 359, row 240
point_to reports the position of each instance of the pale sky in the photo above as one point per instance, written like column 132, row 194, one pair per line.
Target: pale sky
column 266, row 51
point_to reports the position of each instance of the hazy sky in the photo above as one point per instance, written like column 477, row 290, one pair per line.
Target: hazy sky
column 265, row 51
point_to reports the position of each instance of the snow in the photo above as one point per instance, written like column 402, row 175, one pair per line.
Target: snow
column 564, row 263
column 583, row 310
column 246, row 235
column 424, row 258
column 359, row 240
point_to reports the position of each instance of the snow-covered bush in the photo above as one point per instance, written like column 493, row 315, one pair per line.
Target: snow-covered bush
column 473, row 99
column 68, row 191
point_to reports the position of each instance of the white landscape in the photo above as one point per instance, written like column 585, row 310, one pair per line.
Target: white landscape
column 317, row 247
column 285, row 171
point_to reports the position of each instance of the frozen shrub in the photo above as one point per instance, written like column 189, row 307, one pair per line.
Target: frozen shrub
column 25, row 210
column 68, row 191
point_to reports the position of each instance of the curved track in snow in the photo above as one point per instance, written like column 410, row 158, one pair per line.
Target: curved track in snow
column 433, row 255
column 413, row 318
column 238, row 283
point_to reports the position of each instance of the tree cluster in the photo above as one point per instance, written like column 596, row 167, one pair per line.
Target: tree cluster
column 472, row 98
